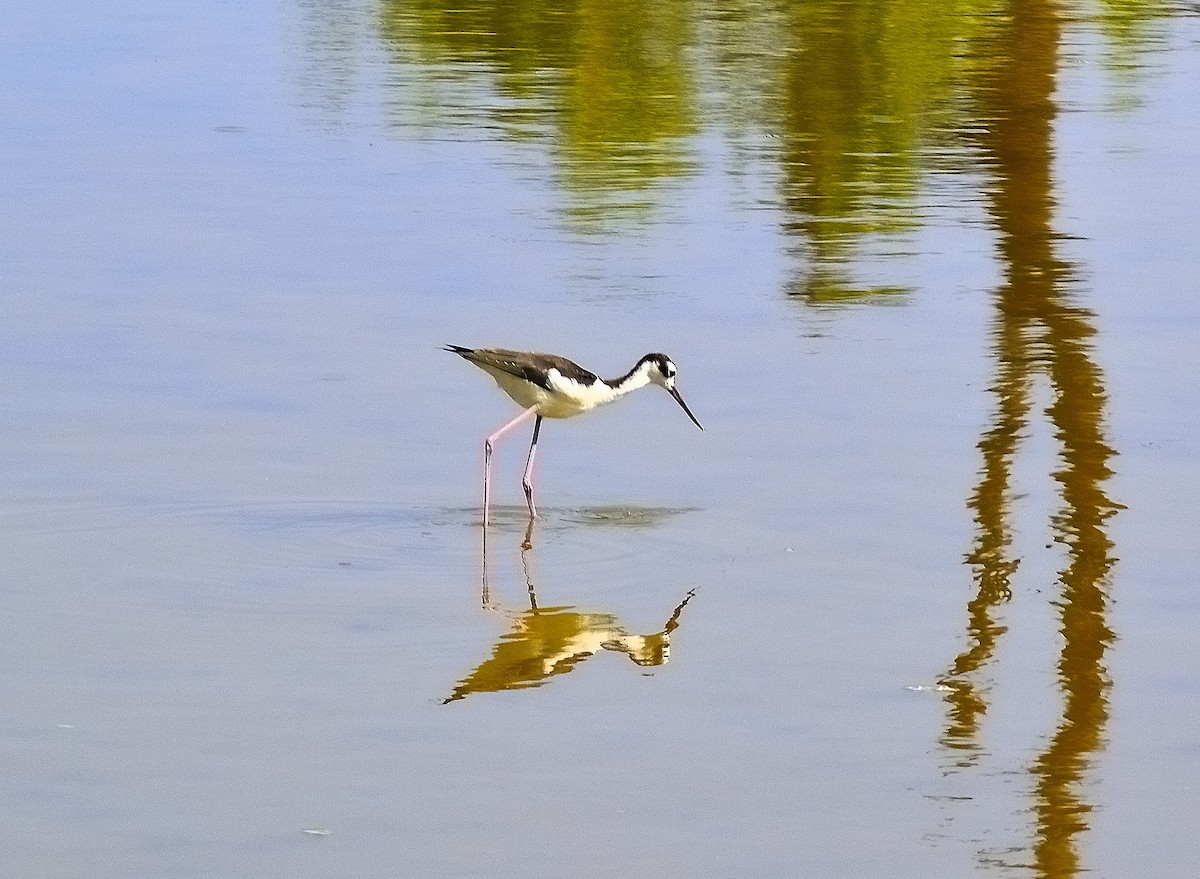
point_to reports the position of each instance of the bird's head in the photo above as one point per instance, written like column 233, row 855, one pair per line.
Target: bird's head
column 661, row 370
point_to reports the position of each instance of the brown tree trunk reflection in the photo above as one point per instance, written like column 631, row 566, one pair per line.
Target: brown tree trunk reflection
column 1038, row 329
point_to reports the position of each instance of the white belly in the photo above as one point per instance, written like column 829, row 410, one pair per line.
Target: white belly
column 569, row 398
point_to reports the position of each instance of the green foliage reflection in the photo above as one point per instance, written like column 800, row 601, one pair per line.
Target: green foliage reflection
column 605, row 82
column 848, row 104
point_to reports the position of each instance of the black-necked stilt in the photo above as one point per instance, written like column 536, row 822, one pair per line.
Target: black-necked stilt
column 549, row 386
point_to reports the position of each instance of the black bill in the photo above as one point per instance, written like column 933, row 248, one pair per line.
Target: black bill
column 678, row 399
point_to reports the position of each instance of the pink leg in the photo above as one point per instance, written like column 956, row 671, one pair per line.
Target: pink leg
column 527, row 480
column 487, row 457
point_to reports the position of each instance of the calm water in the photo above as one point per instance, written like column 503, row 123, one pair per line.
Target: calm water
column 926, row 583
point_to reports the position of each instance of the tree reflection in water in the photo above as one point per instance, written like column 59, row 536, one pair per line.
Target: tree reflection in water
column 1038, row 330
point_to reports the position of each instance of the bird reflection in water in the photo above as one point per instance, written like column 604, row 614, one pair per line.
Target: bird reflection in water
column 547, row 641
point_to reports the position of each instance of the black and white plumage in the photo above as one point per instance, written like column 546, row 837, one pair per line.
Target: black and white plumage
column 550, row 386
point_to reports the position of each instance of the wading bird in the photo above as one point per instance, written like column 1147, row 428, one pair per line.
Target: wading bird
column 549, row 386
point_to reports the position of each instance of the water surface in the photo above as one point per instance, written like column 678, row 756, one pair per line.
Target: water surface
column 916, row 603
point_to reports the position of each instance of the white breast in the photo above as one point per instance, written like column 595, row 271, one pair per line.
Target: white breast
column 565, row 399
column 568, row 397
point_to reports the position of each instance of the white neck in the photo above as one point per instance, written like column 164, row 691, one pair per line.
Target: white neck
column 639, row 378
column 577, row 397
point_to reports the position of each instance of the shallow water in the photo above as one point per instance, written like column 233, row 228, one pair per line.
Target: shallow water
column 917, row 602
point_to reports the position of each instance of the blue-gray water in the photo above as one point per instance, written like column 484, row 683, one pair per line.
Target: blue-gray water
column 925, row 582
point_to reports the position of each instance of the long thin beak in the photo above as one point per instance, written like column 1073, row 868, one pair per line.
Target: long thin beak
column 678, row 399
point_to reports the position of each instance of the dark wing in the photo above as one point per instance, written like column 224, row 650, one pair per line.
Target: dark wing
column 531, row 367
